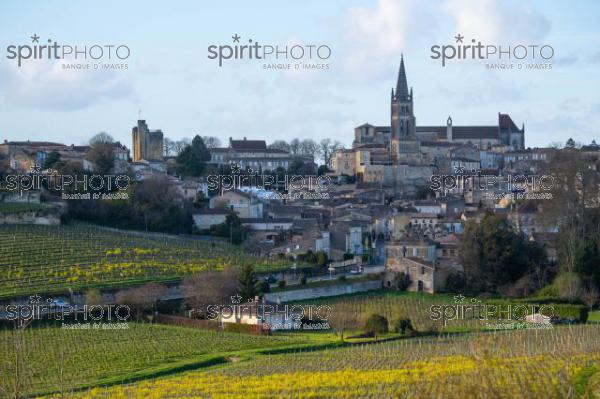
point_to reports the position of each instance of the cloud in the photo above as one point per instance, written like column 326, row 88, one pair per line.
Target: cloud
column 595, row 58
column 497, row 21
column 46, row 85
column 375, row 36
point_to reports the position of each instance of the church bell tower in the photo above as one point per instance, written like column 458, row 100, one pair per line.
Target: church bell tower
column 403, row 134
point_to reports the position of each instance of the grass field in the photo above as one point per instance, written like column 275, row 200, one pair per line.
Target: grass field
column 594, row 317
column 45, row 259
column 53, row 358
column 557, row 363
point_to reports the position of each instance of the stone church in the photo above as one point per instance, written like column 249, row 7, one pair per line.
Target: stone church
column 405, row 152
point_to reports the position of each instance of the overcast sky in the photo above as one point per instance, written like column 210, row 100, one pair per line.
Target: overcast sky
column 179, row 90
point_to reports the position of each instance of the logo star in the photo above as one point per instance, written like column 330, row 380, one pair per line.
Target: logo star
column 459, row 298
column 236, row 298
column 236, row 38
column 235, row 168
column 35, row 38
column 459, row 169
column 35, row 169
column 459, row 38
column 35, row 298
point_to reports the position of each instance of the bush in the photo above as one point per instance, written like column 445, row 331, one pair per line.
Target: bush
column 342, row 277
column 567, row 311
column 402, row 281
column 348, row 256
column 455, row 282
column 302, row 280
column 376, row 324
column 575, row 312
column 403, row 325
column 281, row 284
column 321, row 259
column 264, row 287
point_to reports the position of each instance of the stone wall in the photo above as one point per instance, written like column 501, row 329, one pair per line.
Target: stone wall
column 323, row 291
column 31, row 217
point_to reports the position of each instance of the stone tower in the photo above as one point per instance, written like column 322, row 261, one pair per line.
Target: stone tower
column 147, row 144
column 404, row 140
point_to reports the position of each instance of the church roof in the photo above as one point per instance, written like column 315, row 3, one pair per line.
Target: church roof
column 248, row 144
column 463, row 132
column 401, row 85
column 506, row 123
column 34, row 143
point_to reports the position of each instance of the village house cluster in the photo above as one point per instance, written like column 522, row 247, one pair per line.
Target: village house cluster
column 381, row 212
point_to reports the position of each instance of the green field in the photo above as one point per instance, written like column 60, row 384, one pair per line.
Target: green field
column 47, row 259
column 53, row 358
column 556, row 363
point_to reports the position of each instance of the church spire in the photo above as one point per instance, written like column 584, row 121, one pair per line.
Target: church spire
column 402, row 86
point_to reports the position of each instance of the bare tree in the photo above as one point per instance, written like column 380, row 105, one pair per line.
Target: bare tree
column 280, row 145
column 168, row 147
column 590, row 295
column 101, row 137
column 327, row 148
column 102, row 152
column 143, row 298
column 295, row 146
column 210, row 287
column 309, row 147
column 93, row 297
column 179, row 145
column 211, row 142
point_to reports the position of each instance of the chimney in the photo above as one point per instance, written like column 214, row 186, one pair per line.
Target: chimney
column 244, row 138
column 449, row 129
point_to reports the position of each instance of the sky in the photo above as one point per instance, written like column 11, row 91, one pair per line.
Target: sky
column 172, row 84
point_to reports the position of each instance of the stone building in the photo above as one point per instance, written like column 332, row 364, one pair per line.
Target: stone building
column 147, row 144
column 254, row 154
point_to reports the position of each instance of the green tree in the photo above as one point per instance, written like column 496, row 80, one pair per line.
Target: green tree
column 376, row 324
column 321, row 259
column 455, row 282
column 232, row 229
column 192, row 160
column 52, row 158
column 493, row 254
column 323, row 169
column 248, row 282
column 402, row 281
column 587, row 261
column 403, row 325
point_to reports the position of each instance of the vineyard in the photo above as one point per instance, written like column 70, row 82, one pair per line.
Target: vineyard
column 556, row 363
column 42, row 259
column 15, row 207
column 349, row 312
column 53, row 358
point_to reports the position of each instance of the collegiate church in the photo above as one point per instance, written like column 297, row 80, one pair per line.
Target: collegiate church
column 404, row 151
